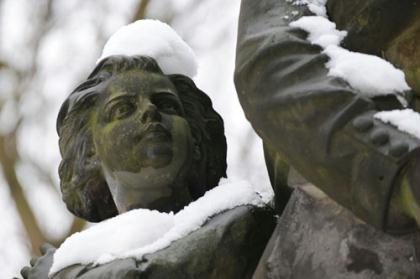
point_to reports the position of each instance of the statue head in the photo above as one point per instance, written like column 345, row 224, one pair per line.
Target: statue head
column 133, row 137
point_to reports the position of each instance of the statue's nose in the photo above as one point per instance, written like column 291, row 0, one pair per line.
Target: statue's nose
column 150, row 114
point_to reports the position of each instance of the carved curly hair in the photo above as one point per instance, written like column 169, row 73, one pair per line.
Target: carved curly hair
column 83, row 186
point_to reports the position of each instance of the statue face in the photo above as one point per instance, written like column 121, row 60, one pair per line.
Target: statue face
column 143, row 142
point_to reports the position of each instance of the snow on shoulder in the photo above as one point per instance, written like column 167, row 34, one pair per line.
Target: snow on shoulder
column 142, row 231
column 155, row 39
column 370, row 75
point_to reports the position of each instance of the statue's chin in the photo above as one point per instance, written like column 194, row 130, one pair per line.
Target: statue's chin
column 156, row 155
column 160, row 206
column 165, row 199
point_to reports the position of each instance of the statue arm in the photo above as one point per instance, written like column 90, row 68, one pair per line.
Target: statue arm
column 318, row 123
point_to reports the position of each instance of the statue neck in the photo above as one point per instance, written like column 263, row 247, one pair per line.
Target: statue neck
column 152, row 191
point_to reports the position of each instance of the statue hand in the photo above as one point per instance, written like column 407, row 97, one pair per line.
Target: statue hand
column 40, row 266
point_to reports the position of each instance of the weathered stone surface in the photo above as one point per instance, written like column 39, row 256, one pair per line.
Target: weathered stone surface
column 228, row 246
column 316, row 239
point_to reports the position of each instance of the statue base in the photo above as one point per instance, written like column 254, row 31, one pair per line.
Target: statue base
column 316, row 238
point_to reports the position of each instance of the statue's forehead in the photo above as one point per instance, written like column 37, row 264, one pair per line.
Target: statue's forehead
column 136, row 80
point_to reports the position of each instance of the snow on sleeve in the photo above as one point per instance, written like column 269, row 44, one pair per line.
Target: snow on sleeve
column 368, row 74
column 155, row 39
column 315, row 6
column 321, row 31
column 142, row 231
column 405, row 120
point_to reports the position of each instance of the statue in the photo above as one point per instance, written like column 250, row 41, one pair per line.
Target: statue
column 133, row 137
column 319, row 126
column 128, row 129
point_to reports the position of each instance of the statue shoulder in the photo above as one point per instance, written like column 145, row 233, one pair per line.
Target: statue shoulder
column 229, row 245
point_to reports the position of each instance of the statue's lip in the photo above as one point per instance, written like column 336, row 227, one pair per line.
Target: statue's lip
column 155, row 130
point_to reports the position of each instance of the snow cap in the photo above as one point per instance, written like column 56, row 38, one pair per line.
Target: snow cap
column 155, row 39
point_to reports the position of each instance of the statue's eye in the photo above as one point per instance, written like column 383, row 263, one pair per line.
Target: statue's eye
column 168, row 107
column 167, row 104
column 121, row 110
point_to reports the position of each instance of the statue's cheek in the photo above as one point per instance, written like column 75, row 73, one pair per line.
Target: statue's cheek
column 112, row 142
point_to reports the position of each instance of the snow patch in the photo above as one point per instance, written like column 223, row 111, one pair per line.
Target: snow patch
column 142, row 231
column 315, row 6
column 155, row 39
column 368, row 74
column 406, row 120
column 118, row 232
column 321, row 31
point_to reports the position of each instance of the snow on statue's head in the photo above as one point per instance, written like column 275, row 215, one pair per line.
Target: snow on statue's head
column 138, row 133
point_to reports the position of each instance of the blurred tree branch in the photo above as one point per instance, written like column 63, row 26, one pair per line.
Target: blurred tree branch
column 8, row 159
column 141, row 10
column 43, row 174
column 3, row 64
column 9, row 155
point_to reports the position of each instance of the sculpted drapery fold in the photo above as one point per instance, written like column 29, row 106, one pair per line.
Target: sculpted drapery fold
column 317, row 123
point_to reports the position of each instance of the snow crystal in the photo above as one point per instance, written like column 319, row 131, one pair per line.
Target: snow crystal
column 157, row 40
column 405, row 120
column 142, row 231
column 369, row 74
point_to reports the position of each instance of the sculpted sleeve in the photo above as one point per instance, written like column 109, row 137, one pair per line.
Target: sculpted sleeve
column 318, row 123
